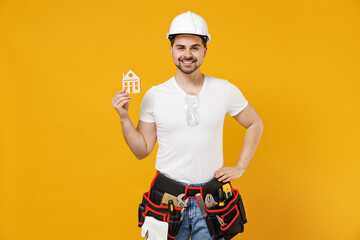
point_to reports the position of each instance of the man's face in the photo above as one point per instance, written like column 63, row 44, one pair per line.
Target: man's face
column 188, row 52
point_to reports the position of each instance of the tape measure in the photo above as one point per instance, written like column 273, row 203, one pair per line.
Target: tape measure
column 227, row 190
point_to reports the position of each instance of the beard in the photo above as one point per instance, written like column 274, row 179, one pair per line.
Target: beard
column 187, row 69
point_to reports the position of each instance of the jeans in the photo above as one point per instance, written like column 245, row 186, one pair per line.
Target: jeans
column 194, row 223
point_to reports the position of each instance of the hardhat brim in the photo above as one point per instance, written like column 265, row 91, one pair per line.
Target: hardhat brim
column 173, row 35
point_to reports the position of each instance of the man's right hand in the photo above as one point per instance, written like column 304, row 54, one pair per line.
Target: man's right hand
column 121, row 103
column 142, row 139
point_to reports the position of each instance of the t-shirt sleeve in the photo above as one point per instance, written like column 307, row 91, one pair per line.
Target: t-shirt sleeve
column 236, row 100
column 147, row 107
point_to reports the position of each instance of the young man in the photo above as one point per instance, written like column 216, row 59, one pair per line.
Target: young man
column 186, row 115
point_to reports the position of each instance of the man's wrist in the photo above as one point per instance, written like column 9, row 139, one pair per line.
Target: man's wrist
column 124, row 119
column 240, row 168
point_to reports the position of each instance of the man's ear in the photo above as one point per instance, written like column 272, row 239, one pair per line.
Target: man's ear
column 205, row 51
column 171, row 49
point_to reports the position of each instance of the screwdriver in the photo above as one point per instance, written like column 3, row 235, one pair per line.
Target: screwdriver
column 201, row 204
column 171, row 207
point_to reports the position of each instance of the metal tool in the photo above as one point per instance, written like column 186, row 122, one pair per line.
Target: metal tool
column 182, row 212
column 180, row 202
column 201, row 204
column 209, row 201
column 222, row 223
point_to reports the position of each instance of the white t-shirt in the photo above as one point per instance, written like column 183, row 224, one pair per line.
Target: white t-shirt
column 190, row 154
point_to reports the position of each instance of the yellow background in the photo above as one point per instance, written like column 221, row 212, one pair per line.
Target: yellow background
column 67, row 173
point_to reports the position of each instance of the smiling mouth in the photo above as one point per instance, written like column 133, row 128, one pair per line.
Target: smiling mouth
column 187, row 61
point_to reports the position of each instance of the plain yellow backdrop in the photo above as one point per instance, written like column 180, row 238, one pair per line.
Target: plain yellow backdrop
column 66, row 171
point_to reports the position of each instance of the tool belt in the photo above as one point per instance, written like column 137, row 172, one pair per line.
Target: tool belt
column 232, row 213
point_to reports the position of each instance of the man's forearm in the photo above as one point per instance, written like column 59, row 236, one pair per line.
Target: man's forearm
column 134, row 139
column 251, row 141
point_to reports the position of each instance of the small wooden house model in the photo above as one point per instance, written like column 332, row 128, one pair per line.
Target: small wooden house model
column 131, row 82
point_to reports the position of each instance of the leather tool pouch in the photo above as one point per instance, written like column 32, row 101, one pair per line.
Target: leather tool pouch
column 232, row 214
column 150, row 205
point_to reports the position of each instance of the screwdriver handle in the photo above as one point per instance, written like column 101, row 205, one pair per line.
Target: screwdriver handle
column 201, row 204
column 171, row 207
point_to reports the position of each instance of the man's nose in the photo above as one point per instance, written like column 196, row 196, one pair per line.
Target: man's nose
column 188, row 53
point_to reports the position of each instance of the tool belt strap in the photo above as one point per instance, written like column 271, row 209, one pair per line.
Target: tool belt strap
column 162, row 184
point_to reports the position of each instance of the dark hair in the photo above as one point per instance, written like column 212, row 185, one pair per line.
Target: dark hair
column 203, row 39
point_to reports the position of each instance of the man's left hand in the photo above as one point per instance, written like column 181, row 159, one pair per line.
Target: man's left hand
column 227, row 174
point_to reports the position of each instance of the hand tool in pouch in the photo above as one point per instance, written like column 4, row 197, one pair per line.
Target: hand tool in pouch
column 221, row 197
column 181, row 202
column 171, row 209
column 182, row 214
column 221, row 221
column 209, row 201
column 227, row 190
column 174, row 224
column 165, row 199
column 201, row 204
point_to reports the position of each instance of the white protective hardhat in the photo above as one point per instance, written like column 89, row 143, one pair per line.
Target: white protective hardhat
column 189, row 23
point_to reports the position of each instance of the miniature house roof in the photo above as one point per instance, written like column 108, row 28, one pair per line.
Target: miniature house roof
column 130, row 76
